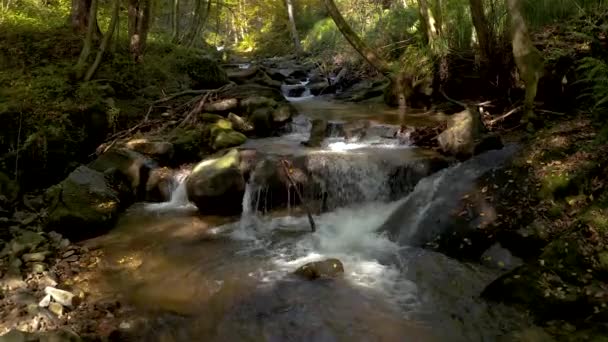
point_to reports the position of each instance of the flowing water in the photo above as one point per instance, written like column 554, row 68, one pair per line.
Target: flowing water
column 198, row 278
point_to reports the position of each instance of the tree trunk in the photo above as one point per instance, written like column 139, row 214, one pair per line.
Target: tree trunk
column 528, row 59
column 426, row 24
column 482, row 28
column 139, row 23
column 175, row 21
column 292, row 27
column 79, row 17
column 438, row 17
column 368, row 54
column 200, row 20
column 88, row 41
column 106, row 40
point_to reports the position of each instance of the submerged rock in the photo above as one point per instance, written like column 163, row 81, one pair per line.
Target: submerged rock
column 318, row 132
column 83, row 205
column 216, row 185
column 330, row 268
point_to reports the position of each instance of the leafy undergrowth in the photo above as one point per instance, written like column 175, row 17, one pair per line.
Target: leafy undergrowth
column 549, row 206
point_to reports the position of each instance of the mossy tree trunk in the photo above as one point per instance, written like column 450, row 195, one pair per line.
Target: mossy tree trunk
column 427, row 23
column 139, row 24
column 201, row 15
column 528, row 59
column 483, row 31
column 175, row 20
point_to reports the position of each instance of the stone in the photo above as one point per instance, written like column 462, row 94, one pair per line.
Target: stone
column 18, row 336
column 216, row 185
column 261, row 119
column 329, row 268
column 283, row 113
column 84, row 204
column 160, row 185
column 320, row 88
column 68, row 253
column 160, row 150
column 128, row 169
column 318, row 133
column 12, row 282
column 26, row 241
column 45, row 301
column 38, row 256
column 239, row 123
column 56, row 308
column 60, row 296
column 463, row 130
column 38, row 267
column 72, row 258
column 501, row 258
column 62, row 335
column 228, row 139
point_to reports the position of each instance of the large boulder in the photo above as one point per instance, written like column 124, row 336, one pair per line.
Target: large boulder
column 216, row 185
column 84, row 204
column 462, row 132
column 131, row 166
column 188, row 144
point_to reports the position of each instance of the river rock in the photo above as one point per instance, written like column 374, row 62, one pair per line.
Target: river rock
column 25, row 241
column 221, row 135
column 84, row 204
column 38, row 256
column 160, row 150
column 463, row 130
column 501, row 258
column 318, row 132
column 320, row 88
column 261, row 119
column 330, row 268
column 62, row 297
column 129, row 166
column 159, row 185
column 189, row 144
column 240, row 124
column 283, row 113
column 45, row 301
column 216, row 185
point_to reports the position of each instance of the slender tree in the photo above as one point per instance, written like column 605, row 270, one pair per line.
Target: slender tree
column 88, row 41
column 292, row 26
column 139, row 24
column 79, row 16
column 106, row 40
column 175, row 20
column 528, row 59
column 482, row 28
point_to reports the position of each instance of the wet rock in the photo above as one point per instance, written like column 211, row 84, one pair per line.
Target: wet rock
column 261, row 119
column 189, row 144
column 216, row 184
column 126, row 166
column 330, row 268
column 38, row 267
column 239, row 124
column 463, row 130
column 44, row 302
column 318, row 133
column 159, row 185
column 62, row 297
column 320, row 88
column 160, row 150
column 84, row 204
column 283, row 113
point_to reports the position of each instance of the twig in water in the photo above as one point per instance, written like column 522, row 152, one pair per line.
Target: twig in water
column 286, row 168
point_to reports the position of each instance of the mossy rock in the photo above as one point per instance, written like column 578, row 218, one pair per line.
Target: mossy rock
column 221, row 135
column 261, row 119
column 210, row 118
column 204, row 72
column 189, row 144
column 330, row 268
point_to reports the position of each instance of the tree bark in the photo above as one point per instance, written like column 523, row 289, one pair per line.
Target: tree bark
column 79, row 17
column 88, row 41
column 175, row 20
column 368, row 54
column 292, row 27
column 529, row 61
column 139, row 24
column 106, row 40
column 200, row 20
column 482, row 28
column 438, row 17
column 426, row 26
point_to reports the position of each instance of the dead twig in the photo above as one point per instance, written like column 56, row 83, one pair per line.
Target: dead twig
column 504, row 116
column 287, row 168
column 180, row 94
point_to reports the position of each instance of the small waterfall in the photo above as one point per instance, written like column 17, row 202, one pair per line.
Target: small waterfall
column 249, row 219
column 179, row 194
column 425, row 212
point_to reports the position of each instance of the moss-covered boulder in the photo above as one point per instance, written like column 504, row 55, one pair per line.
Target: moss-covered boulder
column 221, row 135
column 204, row 72
column 84, row 204
column 188, row 143
column 216, row 185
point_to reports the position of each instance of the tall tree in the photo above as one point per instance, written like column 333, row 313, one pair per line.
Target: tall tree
column 174, row 20
column 106, row 40
column 88, row 41
column 201, row 15
column 529, row 61
column 482, row 28
column 292, row 26
column 426, row 22
column 79, row 16
column 139, row 24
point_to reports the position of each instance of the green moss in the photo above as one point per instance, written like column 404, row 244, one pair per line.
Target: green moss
column 555, row 184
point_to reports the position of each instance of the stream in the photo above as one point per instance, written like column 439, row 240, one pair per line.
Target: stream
column 202, row 278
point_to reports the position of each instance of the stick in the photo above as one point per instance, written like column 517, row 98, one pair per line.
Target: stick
column 502, row 117
column 313, row 227
column 181, row 93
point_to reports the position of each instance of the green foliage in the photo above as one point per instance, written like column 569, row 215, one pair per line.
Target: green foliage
column 595, row 80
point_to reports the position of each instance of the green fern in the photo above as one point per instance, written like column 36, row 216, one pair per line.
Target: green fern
column 595, row 82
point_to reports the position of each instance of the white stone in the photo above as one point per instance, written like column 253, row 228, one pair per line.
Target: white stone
column 45, row 301
column 60, row 296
